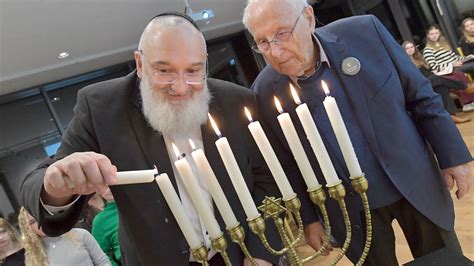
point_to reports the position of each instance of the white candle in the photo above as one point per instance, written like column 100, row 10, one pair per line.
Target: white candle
column 205, row 170
column 315, row 140
column 125, row 177
column 135, row 177
column 296, row 147
column 177, row 209
column 235, row 175
column 342, row 135
column 270, row 157
column 192, row 186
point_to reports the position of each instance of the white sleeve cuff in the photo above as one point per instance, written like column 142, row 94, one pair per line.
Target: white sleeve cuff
column 53, row 210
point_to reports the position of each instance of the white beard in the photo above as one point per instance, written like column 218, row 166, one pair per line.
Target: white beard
column 174, row 119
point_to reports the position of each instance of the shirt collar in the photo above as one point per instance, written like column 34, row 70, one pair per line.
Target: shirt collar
column 322, row 59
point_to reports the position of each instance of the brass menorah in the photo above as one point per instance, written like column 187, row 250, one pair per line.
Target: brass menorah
column 273, row 209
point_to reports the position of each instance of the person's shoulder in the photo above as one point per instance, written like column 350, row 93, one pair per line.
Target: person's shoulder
column 266, row 80
column 80, row 231
column 350, row 24
column 110, row 87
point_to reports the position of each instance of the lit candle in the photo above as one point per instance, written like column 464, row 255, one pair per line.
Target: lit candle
column 341, row 133
column 192, row 186
column 296, row 148
column 205, row 170
column 177, row 209
column 270, row 157
column 315, row 140
column 234, row 173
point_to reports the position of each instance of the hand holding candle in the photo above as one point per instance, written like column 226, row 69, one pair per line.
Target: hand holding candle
column 234, row 173
column 296, row 148
column 342, row 135
column 213, row 186
column 192, row 186
column 270, row 157
column 315, row 140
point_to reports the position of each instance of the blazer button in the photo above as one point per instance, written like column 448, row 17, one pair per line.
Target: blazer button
column 356, row 227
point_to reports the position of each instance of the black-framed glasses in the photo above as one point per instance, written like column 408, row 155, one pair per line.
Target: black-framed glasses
column 279, row 38
column 197, row 77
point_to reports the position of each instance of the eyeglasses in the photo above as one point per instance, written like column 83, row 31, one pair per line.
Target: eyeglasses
column 162, row 76
column 278, row 39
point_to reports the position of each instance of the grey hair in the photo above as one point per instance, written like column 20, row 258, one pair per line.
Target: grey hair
column 161, row 21
column 295, row 6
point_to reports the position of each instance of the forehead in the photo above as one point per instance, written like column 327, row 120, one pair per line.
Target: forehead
column 265, row 19
column 176, row 43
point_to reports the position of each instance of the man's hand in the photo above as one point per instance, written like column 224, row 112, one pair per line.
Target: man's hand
column 258, row 261
column 80, row 173
column 462, row 175
column 315, row 234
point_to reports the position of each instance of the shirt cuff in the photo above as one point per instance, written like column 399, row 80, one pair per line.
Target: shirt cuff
column 53, row 210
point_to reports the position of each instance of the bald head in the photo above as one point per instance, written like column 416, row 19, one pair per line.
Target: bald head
column 288, row 8
column 163, row 26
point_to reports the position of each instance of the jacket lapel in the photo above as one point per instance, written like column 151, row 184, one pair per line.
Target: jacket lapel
column 337, row 51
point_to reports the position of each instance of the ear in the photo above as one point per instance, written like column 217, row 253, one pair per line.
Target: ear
column 309, row 15
column 138, row 62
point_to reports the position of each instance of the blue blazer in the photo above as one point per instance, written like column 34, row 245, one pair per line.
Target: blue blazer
column 402, row 119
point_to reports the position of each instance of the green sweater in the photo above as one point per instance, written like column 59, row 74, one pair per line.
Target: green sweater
column 105, row 231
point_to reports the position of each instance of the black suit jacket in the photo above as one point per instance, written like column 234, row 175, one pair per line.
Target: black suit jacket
column 109, row 120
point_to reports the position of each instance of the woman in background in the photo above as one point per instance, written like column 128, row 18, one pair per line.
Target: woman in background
column 440, row 56
column 440, row 85
column 11, row 249
column 467, row 40
column 76, row 247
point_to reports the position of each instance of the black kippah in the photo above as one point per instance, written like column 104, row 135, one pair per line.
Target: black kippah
column 177, row 14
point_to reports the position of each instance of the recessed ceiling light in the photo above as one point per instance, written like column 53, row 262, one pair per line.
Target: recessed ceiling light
column 63, row 55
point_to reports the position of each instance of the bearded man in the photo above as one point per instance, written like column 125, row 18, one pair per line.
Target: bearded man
column 129, row 123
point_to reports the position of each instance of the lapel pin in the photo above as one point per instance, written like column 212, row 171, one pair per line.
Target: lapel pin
column 350, row 66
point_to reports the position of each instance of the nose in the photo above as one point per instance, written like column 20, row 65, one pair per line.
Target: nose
column 180, row 87
column 276, row 50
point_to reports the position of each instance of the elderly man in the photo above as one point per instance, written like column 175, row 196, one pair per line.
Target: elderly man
column 396, row 123
column 129, row 123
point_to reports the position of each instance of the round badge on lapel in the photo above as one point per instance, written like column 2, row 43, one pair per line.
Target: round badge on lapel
column 350, row 66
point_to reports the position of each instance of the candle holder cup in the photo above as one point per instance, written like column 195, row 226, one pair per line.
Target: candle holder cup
column 219, row 244
column 200, row 254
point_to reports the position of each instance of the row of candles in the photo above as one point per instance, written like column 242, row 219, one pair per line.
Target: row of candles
column 230, row 163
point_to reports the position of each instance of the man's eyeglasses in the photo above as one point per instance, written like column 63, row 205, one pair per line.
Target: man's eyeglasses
column 196, row 77
column 278, row 39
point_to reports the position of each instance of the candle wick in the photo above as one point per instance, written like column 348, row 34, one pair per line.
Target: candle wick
column 156, row 171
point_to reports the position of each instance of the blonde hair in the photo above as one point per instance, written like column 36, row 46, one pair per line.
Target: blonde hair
column 417, row 58
column 443, row 44
column 15, row 238
column 35, row 254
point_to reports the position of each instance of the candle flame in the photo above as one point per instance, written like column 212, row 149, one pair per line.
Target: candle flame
column 325, row 87
column 176, row 151
column 247, row 113
column 278, row 104
column 295, row 95
column 214, row 125
column 191, row 142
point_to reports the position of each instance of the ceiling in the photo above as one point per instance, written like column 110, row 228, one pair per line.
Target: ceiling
column 95, row 33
